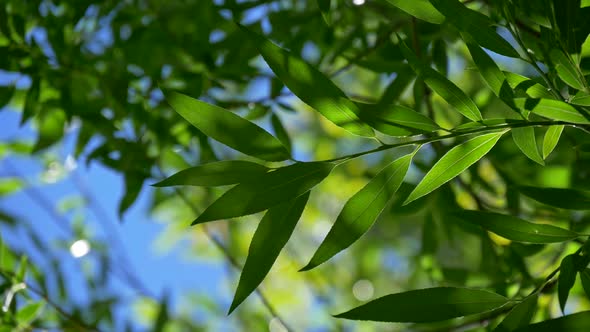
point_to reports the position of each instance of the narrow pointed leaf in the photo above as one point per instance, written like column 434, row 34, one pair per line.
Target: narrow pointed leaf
column 219, row 173
column 552, row 109
column 585, row 277
column 361, row 211
column 566, row 280
column 565, row 198
column 427, row 305
column 280, row 131
column 566, row 70
column 228, row 128
column 324, row 6
column 577, row 322
column 454, row 163
column 519, row 316
column 396, row 120
column 581, row 98
column 395, row 89
column 526, row 141
column 270, row 237
column 488, row 69
column 29, row 313
column 267, row 191
column 516, row 229
column 531, row 88
column 442, row 86
column 421, row 9
column 551, row 139
column 310, row 85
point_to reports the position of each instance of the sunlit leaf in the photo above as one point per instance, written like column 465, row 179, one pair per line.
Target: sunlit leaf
column 567, row 278
column 396, row 120
column 228, row 128
column 551, row 139
column 526, row 141
column 10, row 185
column 29, row 313
column 566, row 70
column 516, row 229
column 519, row 316
column 565, row 198
column 270, row 237
column 581, row 98
column 552, row 109
column 532, row 88
column 427, row 305
column 454, row 163
column 361, row 211
column 577, row 322
column 421, row 9
column 215, row 174
column 266, row 191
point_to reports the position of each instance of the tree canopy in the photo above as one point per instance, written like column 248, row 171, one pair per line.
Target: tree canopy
column 357, row 165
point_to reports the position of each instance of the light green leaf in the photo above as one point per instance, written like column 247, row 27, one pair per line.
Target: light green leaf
column 361, row 211
column 519, row 316
column 270, row 237
column 454, row 163
column 29, row 313
column 581, row 98
column 421, row 9
column 552, row 109
column 268, row 190
column 516, row 229
column 551, row 139
column 566, row 70
column 280, row 131
column 442, row 86
column 489, row 123
column 565, row 198
column 577, row 322
column 310, row 85
column 530, row 87
column 218, row 173
column 481, row 29
column 10, row 185
column 526, row 141
column 228, row 128
column 566, row 280
column 396, row 120
column 427, row 305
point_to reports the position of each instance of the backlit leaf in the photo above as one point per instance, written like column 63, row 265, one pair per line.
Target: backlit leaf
column 577, row 322
column 552, row 109
column 581, row 98
column 565, row 198
column 396, row 120
column 427, row 305
column 29, row 313
column 531, row 88
column 526, row 141
column 421, row 9
column 219, row 173
column 551, row 139
column 566, row 70
column 519, row 316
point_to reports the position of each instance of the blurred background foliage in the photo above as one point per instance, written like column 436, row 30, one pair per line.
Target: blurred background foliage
column 80, row 90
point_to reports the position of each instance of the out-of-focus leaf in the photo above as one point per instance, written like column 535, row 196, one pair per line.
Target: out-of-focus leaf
column 310, row 85
column 516, row 229
column 427, row 305
column 532, row 88
column 567, row 71
column 133, row 184
column 6, row 93
column 552, row 109
column 163, row 317
column 526, row 141
column 28, row 313
column 218, row 173
column 421, row 9
column 361, row 211
column 10, row 185
column 228, row 128
column 567, row 278
column 270, row 237
column 439, row 56
column 551, row 139
column 565, row 198
column 577, row 322
column 454, row 163
column 51, row 128
column 396, row 120
column 581, row 98
column 519, row 316
column 280, row 131
column 31, row 106
column 395, row 89
column 266, row 191
column 324, row 6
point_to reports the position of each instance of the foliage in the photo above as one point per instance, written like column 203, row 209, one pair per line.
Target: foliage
column 448, row 135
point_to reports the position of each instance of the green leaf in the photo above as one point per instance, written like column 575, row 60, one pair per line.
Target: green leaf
column 133, row 185
column 219, row 173
column 10, row 185
column 361, row 211
column 526, row 141
column 577, row 322
column 581, row 98
column 567, row 278
column 270, row 237
column 519, row 316
column 52, row 123
column 396, row 120
column 266, row 191
column 228, row 128
column 310, row 85
column 564, row 198
column 454, row 163
column 280, row 131
column 395, row 89
column 163, row 316
column 489, row 70
column 421, row 9
column 516, row 229
column 566, row 70
column 28, row 313
column 31, row 106
column 6, row 93
column 481, row 29
column 551, row 139
column 427, row 305
column 324, row 6
column 530, row 87
column 585, row 277
column 552, row 109
column 442, row 86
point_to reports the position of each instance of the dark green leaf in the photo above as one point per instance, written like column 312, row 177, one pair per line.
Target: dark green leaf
column 567, row 71
column 280, row 131
column 567, row 278
column 6, row 93
column 324, row 6
column 454, row 163
column 270, row 237
column 421, row 9
column 516, row 229
column 552, row 109
column 396, row 120
column 427, row 305
column 585, row 277
column 228, row 128
column 488, row 69
column 520, row 315
column 31, row 106
column 51, row 128
column 267, row 191
column 581, row 98
column 526, row 141
column 133, row 184
column 163, row 316
column 219, row 173
column 577, row 322
column 551, row 139
column 565, row 198
column 310, row 85
column 361, row 211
